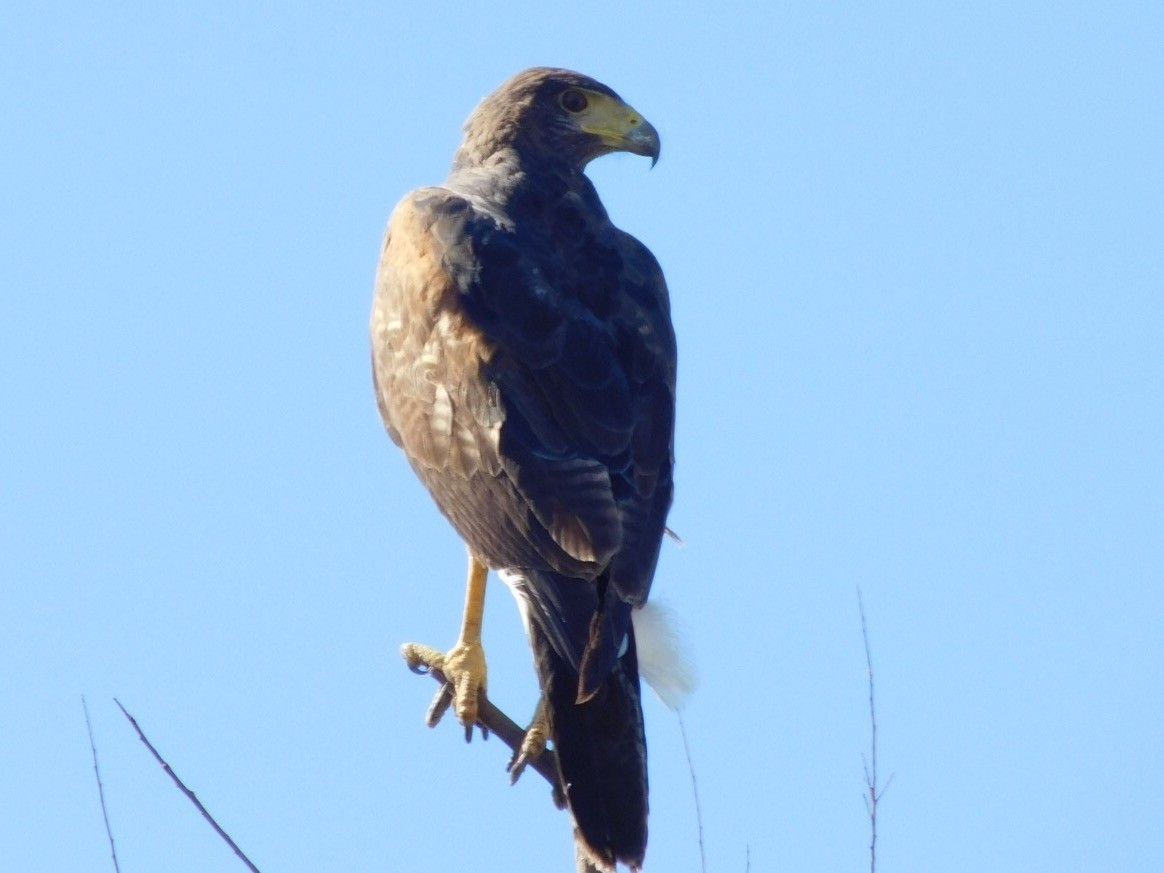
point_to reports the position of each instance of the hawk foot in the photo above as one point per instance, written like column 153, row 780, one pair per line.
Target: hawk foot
column 464, row 671
column 532, row 744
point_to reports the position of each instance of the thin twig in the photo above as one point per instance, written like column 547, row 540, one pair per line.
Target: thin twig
column 694, row 791
column 875, row 793
column 493, row 720
column 100, row 787
column 190, row 794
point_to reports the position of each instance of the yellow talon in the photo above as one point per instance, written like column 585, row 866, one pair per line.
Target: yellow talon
column 463, row 665
column 465, row 675
column 533, row 743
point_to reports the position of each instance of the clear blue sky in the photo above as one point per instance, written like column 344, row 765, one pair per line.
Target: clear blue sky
column 916, row 254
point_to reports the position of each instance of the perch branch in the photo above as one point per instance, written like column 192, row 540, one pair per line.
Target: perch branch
column 493, row 720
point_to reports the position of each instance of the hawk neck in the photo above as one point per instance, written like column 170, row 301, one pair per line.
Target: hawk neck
column 525, row 188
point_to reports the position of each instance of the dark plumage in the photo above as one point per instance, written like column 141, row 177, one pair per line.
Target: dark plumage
column 524, row 360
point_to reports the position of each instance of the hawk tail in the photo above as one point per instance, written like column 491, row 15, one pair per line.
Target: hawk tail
column 602, row 755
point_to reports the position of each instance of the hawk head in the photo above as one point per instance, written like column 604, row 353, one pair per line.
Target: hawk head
column 556, row 115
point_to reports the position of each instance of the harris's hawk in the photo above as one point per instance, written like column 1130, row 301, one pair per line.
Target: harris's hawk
column 524, row 360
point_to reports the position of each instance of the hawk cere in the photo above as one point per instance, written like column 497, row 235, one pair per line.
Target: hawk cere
column 524, row 360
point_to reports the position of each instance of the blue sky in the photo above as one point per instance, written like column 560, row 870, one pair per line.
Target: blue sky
column 916, row 256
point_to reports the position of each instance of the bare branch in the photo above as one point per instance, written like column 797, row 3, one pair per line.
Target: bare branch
column 190, row 794
column 874, row 792
column 100, row 787
column 694, row 791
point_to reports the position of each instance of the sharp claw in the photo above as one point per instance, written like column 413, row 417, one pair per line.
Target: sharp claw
column 517, row 767
column 533, row 744
column 440, row 705
column 421, row 659
column 468, row 701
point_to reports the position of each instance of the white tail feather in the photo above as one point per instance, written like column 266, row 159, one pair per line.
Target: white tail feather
column 662, row 659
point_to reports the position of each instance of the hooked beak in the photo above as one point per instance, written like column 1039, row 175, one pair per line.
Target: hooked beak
column 643, row 139
column 619, row 127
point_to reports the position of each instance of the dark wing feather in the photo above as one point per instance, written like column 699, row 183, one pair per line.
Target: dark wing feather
column 453, row 296
column 606, row 399
column 648, row 353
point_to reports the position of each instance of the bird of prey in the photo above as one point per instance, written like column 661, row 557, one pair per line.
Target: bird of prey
column 524, row 360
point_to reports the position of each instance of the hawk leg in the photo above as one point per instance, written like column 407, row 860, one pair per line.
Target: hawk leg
column 464, row 664
column 533, row 743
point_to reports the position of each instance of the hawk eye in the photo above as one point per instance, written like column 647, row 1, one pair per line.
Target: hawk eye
column 573, row 101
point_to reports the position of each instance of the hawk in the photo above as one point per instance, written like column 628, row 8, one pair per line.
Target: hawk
column 524, row 360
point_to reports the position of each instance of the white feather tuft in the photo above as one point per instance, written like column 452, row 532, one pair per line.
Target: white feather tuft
column 662, row 659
